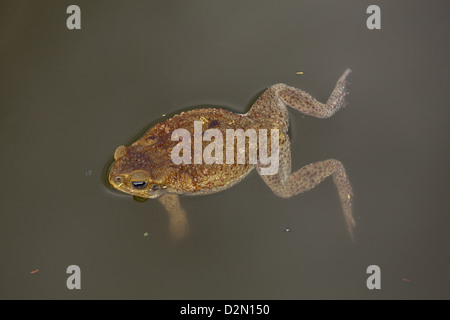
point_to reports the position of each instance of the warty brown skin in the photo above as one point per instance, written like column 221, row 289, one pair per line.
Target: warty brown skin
column 148, row 161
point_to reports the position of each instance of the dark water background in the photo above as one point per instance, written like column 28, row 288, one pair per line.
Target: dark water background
column 69, row 98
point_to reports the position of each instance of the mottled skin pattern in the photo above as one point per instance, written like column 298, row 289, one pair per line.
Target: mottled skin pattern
column 145, row 168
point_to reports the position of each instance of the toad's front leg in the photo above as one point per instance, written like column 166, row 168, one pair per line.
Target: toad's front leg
column 178, row 223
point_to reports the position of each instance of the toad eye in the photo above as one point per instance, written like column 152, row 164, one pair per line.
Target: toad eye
column 139, row 184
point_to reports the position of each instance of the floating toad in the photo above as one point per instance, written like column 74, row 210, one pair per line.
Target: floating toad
column 147, row 169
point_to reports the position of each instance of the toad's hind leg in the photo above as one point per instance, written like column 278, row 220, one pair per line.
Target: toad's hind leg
column 178, row 222
column 305, row 103
column 286, row 184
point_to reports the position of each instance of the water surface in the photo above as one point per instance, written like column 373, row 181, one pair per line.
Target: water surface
column 69, row 98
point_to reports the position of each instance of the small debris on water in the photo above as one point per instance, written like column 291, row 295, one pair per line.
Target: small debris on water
column 287, row 229
column 300, row 72
column 406, row 280
column 146, row 234
column 34, row 271
column 88, row 173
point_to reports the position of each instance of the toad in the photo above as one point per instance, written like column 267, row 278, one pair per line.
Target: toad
column 146, row 168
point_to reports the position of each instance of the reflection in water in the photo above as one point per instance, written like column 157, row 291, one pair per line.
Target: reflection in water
column 147, row 168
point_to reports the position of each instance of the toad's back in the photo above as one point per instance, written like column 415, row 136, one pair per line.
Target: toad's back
column 153, row 151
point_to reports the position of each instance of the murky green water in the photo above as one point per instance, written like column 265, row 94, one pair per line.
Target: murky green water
column 69, row 98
